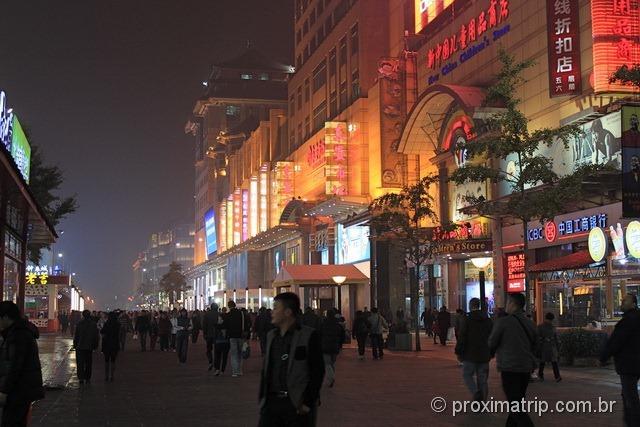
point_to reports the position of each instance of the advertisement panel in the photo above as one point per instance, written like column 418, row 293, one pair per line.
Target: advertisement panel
column 391, row 121
column 20, row 149
column 352, row 244
column 563, row 46
column 427, row 10
column 630, row 162
column 336, row 158
column 210, row 232
column 598, row 143
column 616, row 41
column 515, row 272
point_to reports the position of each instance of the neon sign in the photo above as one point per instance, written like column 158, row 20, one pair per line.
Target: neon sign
column 563, row 36
column 336, row 158
column 315, row 155
column 616, row 33
column 38, row 275
column 427, row 10
column 6, row 122
column 552, row 230
column 515, row 272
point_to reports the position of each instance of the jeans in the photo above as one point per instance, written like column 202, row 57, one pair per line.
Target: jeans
column 515, row 386
column 142, row 336
column 164, row 342
column 221, row 356
column 362, row 341
column 630, row 401
column 376, row 346
column 554, row 365
column 236, row 355
column 330, row 367
column 478, row 387
column 84, row 361
column 173, row 341
column 182, row 346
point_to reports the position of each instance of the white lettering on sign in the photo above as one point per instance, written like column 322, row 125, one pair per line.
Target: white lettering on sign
column 6, row 122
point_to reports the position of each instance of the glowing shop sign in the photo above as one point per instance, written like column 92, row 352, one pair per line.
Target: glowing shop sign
column 616, row 41
column 253, row 204
column 315, row 155
column 245, row 215
column 6, row 122
column 552, row 230
column 633, row 238
column 223, row 226
column 427, row 10
column 515, row 272
column 597, row 244
column 336, row 158
column 264, row 193
column 563, row 40
column 37, row 275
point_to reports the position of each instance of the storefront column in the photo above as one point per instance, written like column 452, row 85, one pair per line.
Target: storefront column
column 22, row 267
column 538, row 315
column 499, row 291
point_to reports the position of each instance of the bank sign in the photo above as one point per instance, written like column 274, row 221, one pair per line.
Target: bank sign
column 13, row 138
column 470, row 39
column 553, row 230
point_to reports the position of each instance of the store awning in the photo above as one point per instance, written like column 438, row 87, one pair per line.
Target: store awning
column 567, row 262
column 318, row 275
column 340, row 207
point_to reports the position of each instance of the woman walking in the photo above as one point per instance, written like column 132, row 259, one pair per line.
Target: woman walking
column 183, row 331
column 222, row 346
column 110, row 344
column 548, row 345
column 360, row 331
column 164, row 331
column 153, row 331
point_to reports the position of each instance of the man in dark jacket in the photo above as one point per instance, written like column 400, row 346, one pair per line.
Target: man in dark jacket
column 292, row 370
column 444, row 323
column 238, row 327
column 143, row 325
column 85, row 340
column 310, row 319
column 209, row 330
column 21, row 376
column 624, row 346
column 472, row 350
column 333, row 335
column 263, row 326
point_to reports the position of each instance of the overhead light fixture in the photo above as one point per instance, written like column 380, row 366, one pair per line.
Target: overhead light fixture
column 482, row 262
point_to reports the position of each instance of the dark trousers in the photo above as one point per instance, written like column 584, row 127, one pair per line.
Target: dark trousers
column 210, row 341
column 376, row 346
column 142, row 336
column 182, row 346
column 123, row 337
column 153, row 338
column 164, row 342
column 263, row 343
column 443, row 336
column 84, row 362
column 221, row 354
column 554, row 365
column 630, row 401
column 15, row 414
column 173, row 341
column 194, row 335
column 362, row 341
column 515, row 386
column 280, row 412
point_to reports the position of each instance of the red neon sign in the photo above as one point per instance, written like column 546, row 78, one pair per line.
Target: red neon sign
column 563, row 37
column 515, row 272
column 550, row 231
column 616, row 40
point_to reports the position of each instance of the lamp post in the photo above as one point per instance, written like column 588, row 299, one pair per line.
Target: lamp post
column 482, row 263
column 339, row 280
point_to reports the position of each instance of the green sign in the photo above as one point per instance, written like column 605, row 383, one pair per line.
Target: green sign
column 20, row 149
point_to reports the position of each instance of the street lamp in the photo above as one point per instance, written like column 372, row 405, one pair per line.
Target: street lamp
column 481, row 263
column 339, row 280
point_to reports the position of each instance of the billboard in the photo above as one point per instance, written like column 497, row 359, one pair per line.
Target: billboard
column 427, row 10
column 352, row 244
column 630, row 162
column 563, row 46
column 210, row 231
column 20, row 149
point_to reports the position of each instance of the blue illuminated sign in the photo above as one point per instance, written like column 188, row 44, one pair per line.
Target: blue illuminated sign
column 210, row 231
column 569, row 227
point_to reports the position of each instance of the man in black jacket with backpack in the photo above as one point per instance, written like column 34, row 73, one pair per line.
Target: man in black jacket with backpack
column 20, row 371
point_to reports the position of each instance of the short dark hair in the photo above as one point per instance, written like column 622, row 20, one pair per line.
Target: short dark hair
column 289, row 300
column 518, row 299
column 634, row 297
column 214, row 306
column 374, row 309
column 474, row 303
column 549, row 316
column 10, row 309
column 231, row 304
column 86, row 314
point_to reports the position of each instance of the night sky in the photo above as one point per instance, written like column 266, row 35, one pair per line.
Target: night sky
column 105, row 88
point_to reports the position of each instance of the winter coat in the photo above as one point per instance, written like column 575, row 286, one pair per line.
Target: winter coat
column 473, row 337
column 196, row 322
column 183, row 325
column 86, row 336
column 110, row 337
column 263, row 324
column 332, row 334
column 143, row 324
column 547, row 342
column 311, row 320
column 233, row 323
column 164, row 326
column 210, row 322
column 378, row 324
column 513, row 339
column 444, row 321
column 20, row 370
column 624, row 344
column 361, row 327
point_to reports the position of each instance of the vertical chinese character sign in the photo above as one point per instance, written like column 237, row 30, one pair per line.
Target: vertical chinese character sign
column 616, row 40
column 563, row 39
column 391, row 120
column 282, row 189
column 336, row 158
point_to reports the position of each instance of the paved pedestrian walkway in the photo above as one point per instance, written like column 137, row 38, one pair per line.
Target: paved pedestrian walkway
column 152, row 389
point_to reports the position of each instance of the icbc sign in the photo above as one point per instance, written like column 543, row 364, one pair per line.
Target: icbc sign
column 550, row 231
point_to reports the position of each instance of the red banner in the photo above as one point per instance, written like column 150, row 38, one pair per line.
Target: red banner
column 563, row 45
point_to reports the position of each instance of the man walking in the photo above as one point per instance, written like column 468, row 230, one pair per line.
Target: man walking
column 444, row 323
column 310, row 319
column 21, row 382
column 209, row 331
column 263, row 326
column 624, row 346
column 85, row 341
column 378, row 325
column 238, row 327
column 472, row 350
column 143, row 325
column 513, row 339
column 293, row 368
column 333, row 335
column 125, row 327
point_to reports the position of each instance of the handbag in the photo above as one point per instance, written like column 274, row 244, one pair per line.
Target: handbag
column 135, row 336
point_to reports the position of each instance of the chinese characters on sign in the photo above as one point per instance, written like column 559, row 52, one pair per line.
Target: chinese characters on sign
column 37, row 275
column 245, row 215
column 282, row 189
column 469, row 32
column 567, row 227
column 336, row 158
column 616, row 40
column 515, row 272
column 315, row 155
column 391, row 119
column 563, row 38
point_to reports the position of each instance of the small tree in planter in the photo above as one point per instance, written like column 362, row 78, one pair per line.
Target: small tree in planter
column 580, row 345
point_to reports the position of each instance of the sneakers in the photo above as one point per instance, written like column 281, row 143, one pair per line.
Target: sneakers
column 558, row 379
column 234, row 375
column 217, row 373
column 211, row 367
